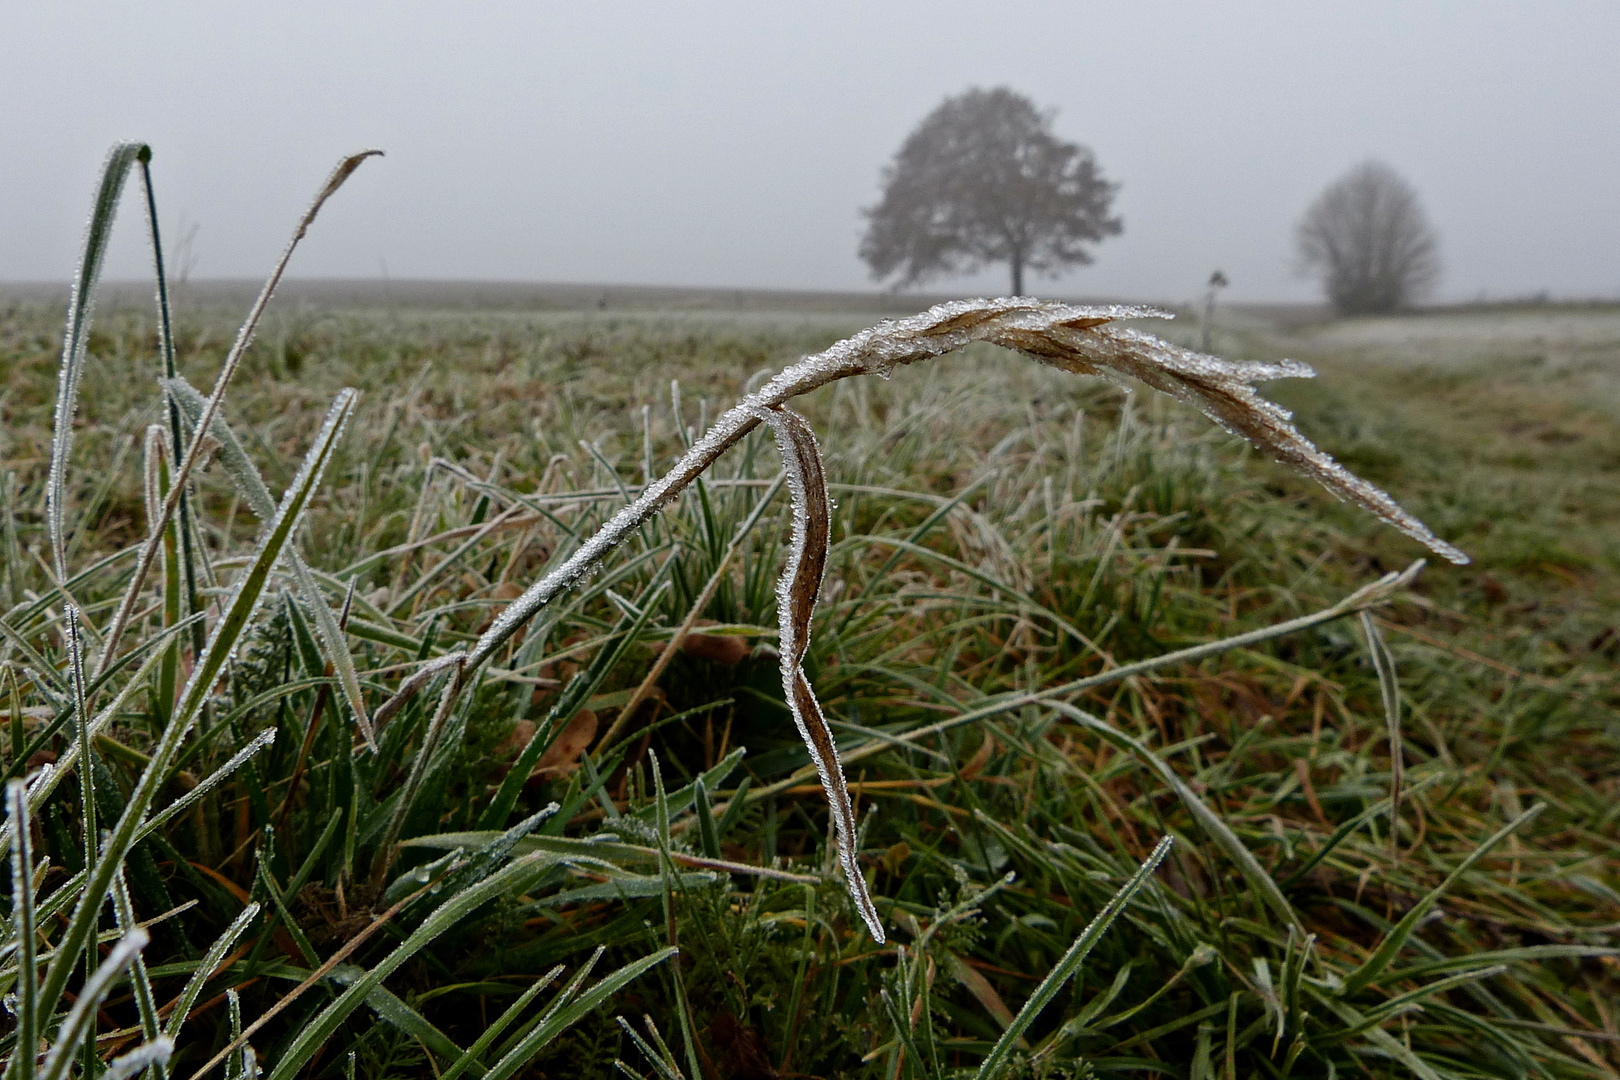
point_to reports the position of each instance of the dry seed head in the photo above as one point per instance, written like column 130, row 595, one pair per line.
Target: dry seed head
column 1078, row 340
column 1074, row 339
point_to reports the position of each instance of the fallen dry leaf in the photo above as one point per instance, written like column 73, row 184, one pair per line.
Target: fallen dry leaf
column 562, row 756
column 727, row 649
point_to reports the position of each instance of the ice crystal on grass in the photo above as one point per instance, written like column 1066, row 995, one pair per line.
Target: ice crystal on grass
column 1074, row 339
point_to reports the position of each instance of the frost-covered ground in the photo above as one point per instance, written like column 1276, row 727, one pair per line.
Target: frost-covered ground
column 1556, row 335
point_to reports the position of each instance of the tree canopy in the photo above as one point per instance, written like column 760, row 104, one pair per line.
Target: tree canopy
column 983, row 179
column 1366, row 236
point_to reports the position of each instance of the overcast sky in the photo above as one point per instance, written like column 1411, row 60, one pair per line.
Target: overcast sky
column 734, row 143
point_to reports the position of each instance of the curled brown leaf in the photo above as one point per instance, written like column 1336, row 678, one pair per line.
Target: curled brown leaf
column 796, row 595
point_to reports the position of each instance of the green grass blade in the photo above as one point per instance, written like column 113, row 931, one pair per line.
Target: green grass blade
column 265, row 738
column 245, row 598
column 486, row 1039
column 1389, row 691
column 238, row 612
column 666, row 870
column 1405, row 1001
column 558, row 1003
column 990, row 1068
column 245, row 477
column 205, row 970
column 902, row 1027
column 555, row 1025
column 71, row 1035
column 160, row 272
column 1375, row 965
column 1528, row 954
column 708, row 835
column 609, row 849
column 1384, row 1041
column 38, row 664
column 1343, row 833
column 681, row 799
column 145, row 1002
column 321, row 1026
column 176, row 541
column 76, row 339
column 1217, row 830
column 87, row 750
column 22, row 919
column 663, row 1064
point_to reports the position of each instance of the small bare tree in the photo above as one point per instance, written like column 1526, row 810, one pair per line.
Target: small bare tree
column 1369, row 241
column 984, row 180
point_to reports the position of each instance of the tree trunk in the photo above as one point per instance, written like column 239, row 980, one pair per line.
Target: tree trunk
column 1017, row 275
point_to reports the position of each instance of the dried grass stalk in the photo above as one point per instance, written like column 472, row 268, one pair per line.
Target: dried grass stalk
column 1075, row 339
column 796, row 596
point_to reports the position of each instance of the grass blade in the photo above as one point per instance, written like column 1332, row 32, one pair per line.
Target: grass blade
column 1217, row 830
column 238, row 612
column 708, row 835
column 1066, row 967
column 205, row 970
column 487, row 1037
column 1375, row 965
column 796, row 596
column 72, row 1033
column 245, row 477
column 124, row 912
column 22, row 917
column 662, row 1060
column 1389, row 691
column 413, row 780
column 87, row 750
column 265, row 738
column 76, row 339
column 205, row 422
column 555, row 1025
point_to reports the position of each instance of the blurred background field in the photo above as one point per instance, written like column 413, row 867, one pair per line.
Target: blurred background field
column 999, row 527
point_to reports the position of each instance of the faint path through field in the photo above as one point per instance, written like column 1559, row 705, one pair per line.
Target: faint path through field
column 1556, row 336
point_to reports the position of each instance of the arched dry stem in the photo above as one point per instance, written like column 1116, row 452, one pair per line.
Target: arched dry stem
column 1076, row 339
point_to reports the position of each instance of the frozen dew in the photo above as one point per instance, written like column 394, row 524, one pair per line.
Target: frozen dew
column 1072, row 338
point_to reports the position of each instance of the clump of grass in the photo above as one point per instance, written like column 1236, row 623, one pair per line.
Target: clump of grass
column 1131, row 797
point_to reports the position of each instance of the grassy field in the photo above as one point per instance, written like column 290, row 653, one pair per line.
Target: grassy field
column 1005, row 538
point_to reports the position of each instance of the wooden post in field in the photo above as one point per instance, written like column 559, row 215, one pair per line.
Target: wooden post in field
column 1217, row 281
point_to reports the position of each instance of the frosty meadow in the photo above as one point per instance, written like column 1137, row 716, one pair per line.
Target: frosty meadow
column 276, row 788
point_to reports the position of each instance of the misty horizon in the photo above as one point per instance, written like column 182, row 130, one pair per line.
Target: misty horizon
column 736, row 147
column 471, row 293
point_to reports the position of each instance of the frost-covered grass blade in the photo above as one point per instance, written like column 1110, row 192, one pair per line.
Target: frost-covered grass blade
column 76, row 340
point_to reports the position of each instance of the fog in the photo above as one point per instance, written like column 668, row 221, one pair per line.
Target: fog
column 733, row 144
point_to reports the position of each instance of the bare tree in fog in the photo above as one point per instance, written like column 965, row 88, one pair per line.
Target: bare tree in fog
column 1369, row 241
column 983, row 180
